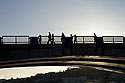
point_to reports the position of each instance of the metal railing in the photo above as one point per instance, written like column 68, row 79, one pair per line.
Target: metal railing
column 113, row 39
column 57, row 39
column 15, row 39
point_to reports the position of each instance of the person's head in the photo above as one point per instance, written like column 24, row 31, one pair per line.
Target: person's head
column 49, row 32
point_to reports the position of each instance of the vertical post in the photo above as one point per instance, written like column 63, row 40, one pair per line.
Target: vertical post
column 123, row 40
column 83, row 40
column 15, row 39
column 84, row 47
column 0, row 40
column 113, row 39
column 41, row 40
column 28, row 40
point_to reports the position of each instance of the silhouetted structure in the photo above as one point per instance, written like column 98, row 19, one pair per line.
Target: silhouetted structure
column 67, row 42
column 0, row 40
column 34, row 41
column 32, row 48
column 61, row 45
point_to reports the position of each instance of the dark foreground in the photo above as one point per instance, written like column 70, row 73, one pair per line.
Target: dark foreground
column 76, row 75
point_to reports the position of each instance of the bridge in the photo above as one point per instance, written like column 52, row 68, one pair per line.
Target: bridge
column 39, row 50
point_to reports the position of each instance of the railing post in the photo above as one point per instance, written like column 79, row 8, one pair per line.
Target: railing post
column 28, row 40
column 113, row 39
column 15, row 39
column 0, row 40
column 83, row 40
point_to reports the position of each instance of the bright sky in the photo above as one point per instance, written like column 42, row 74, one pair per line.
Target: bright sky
column 81, row 17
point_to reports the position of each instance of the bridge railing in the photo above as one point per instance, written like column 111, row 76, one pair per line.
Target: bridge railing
column 57, row 39
column 44, row 39
column 80, row 39
column 113, row 39
column 84, row 39
column 88, row 39
column 15, row 39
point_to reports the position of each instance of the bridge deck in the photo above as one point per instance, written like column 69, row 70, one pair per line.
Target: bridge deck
column 30, row 51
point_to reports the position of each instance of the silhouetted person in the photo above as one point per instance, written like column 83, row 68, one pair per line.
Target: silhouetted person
column 95, row 37
column 75, row 39
column 52, row 41
column 95, row 41
column 71, row 37
column 62, row 37
column 39, row 39
column 95, row 34
column 49, row 38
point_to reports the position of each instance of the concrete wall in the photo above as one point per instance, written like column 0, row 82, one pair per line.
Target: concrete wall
column 57, row 52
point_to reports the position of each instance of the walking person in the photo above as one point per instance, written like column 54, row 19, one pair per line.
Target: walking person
column 95, row 41
column 62, row 37
column 75, row 39
column 95, row 38
column 49, row 38
column 71, row 38
column 39, row 39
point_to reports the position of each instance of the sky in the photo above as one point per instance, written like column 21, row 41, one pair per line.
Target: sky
column 80, row 17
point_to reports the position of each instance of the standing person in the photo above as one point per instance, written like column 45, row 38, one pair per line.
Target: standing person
column 95, row 35
column 49, row 38
column 75, row 39
column 39, row 39
column 95, row 41
column 52, row 41
column 71, row 37
column 95, row 38
column 62, row 37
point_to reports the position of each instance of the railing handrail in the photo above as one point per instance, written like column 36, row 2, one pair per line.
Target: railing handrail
column 15, row 36
column 80, row 39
